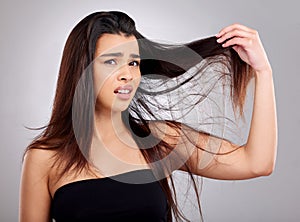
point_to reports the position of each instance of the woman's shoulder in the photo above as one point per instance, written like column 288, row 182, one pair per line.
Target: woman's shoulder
column 40, row 165
column 38, row 162
column 40, row 156
column 34, row 188
column 169, row 128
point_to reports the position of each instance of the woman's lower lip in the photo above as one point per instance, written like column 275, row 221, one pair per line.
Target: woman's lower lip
column 123, row 96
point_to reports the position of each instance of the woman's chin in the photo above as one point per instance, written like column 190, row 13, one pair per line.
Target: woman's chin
column 120, row 107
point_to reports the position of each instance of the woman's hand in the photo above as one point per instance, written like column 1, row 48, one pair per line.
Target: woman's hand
column 247, row 44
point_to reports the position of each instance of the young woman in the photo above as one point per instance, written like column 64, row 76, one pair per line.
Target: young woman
column 106, row 155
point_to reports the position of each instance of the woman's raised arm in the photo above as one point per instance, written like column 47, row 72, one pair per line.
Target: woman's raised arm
column 257, row 156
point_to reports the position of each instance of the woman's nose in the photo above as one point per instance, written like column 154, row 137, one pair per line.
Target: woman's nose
column 125, row 74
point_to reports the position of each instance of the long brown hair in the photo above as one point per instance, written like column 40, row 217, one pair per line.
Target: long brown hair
column 78, row 54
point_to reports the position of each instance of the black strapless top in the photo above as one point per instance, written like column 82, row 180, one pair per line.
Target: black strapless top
column 108, row 199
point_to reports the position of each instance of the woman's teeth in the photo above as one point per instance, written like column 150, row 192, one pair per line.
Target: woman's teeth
column 123, row 91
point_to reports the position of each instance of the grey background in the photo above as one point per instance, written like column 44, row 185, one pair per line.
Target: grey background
column 32, row 37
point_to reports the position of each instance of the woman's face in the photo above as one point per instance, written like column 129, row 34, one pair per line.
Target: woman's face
column 116, row 72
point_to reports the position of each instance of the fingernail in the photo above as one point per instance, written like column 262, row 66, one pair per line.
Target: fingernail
column 218, row 40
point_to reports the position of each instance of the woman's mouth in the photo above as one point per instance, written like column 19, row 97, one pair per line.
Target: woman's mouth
column 124, row 92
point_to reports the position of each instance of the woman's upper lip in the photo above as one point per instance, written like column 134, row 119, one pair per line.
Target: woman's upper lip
column 125, row 87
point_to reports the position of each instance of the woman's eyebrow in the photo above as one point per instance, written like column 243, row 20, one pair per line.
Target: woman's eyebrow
column 119, row 54
column 113, row 54
column 135, row 56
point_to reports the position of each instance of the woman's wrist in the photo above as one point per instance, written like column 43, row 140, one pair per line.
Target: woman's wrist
column 263, row 72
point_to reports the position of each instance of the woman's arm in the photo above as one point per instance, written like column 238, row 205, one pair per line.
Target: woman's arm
column 35, row 198
column 257, row 157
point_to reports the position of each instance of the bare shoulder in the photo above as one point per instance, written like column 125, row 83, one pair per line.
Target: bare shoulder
column 35, row 197
column 179, row 135
column 39, row 154
column 37, row 165
column 40, row 158
column 175, row 131
column 164, row 129
column 186, row 142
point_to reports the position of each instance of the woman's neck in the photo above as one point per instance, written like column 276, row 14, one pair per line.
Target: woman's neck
column 113, row 149
column 109, row 124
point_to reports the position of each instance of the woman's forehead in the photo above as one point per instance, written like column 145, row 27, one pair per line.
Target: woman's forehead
column 115, row 43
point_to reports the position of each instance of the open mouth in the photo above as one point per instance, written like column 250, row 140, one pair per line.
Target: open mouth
column 124, row 92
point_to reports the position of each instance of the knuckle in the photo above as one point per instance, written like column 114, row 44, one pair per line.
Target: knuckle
column 238, row 32
column 254, row 35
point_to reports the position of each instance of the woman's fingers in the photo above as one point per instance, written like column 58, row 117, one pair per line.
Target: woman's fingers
column 233, row 27
column 246, row 42
column 240, row 41
column 234, row 33
column 235, row 30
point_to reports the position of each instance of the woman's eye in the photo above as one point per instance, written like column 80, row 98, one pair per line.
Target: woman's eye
column 110, row 62
column 134, row 63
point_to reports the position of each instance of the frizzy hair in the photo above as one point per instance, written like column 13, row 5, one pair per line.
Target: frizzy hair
column 78, row 54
